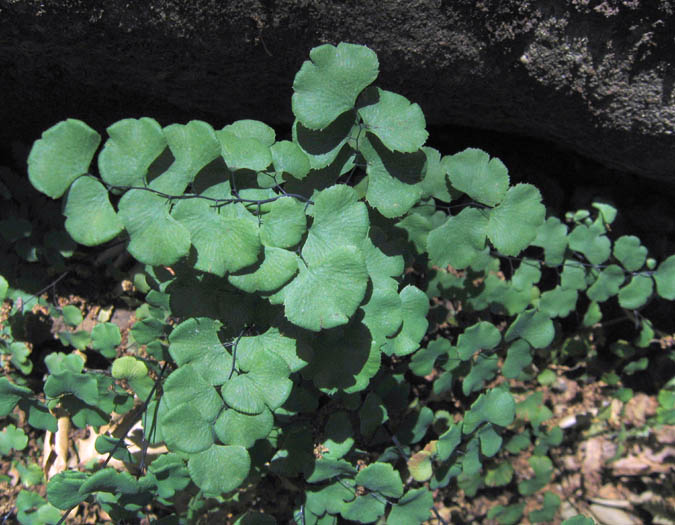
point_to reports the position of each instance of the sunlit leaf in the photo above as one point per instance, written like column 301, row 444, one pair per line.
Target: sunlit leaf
column 327, row 85
column 62, row 154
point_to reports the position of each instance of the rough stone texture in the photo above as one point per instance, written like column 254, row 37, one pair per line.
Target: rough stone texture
column 594, row 76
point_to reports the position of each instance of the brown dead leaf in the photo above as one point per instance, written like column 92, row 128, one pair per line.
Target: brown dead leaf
column 639, row 408
column 595, row 452
column 645, row 462
column 665, row 434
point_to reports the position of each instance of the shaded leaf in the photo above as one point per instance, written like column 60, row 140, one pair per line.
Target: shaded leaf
column 90, row 218
column 514, row 223
column 630, row 253
column 156, row 238
column 399, row 124
column 219, row 469
column 382, row 478
column 473, row 172
column 133, row 146
column 459, row 240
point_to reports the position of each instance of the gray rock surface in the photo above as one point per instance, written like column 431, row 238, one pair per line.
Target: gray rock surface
column 595, row 76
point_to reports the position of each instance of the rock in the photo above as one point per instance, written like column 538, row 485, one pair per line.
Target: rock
column 594, row 76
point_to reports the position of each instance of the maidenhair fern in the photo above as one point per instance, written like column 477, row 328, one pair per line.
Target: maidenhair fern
column 287, row 320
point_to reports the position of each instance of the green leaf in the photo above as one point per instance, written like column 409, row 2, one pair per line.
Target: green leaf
column 327, row 85
column 594, row 246
column 80, row 339
column 66, row 377
column 156, row 238
column 289, row 158
column 552, row 237
column 414, row 309
column 133, row 146
column 579, row 520
column 322, row 147
column 324, row 469
column 593, row 314
column 63, row 490
column 382, row 478
column 235, row 428
column 252, row 129
column 265, row 382
column 329, row 500
column 243, row 152
column 186, row 385
column 285, row 223
column 419, row 222
column 448, row 442
column 490, row 441
column 483, row 179
column 364, row 509
column 128, row 367
column 349, row 359
column 339, row 220
column 12, row 438
column 393, row 177
column 71, row 315
column 480, row 336
column 459, row 240
column 420, row 466
column 665, row 278
column 383, row 313
column 636, row 366
column 534, row 326
column 509, row 515
column 372, row 414
column 175, row 422
column 90, row 218
column 242, row 394
column 31, row 509
column 219, row 469
column 339, row 435
column 327, row 293
column 226, row 238
column 147, row 330
column 532, row 409
column 543, row 468
column 496, row 406
column 514, row 223
column 274, row 342
column 38, row 413
column 636, row 294
column 413, row 507
column 105, row 337
column 607, row 284
column 630, row 253
column 62, row 154
column 435, row 183
column 558, row 302
column 573, row 276
column 607, row 212
column 109, row 480
column 483, row 370
column 399, row 124
column 499, row 476
column 424, row 360
column 518, row 442
column 193, row 146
